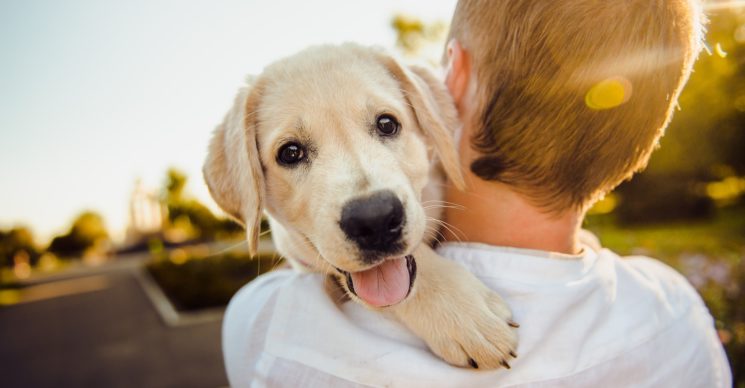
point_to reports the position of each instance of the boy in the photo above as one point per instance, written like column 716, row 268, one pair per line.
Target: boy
column 560, row 101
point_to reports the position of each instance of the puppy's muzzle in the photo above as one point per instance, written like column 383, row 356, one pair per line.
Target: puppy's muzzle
column 375, row 223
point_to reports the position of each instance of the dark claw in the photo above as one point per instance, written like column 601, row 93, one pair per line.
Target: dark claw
column 513, row 354
column 473, row 363
column 512, row 323
column 505, row 364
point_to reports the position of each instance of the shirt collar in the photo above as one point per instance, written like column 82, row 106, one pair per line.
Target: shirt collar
column 521, row 265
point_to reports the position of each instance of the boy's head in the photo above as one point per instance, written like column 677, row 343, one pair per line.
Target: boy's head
column 569, row 97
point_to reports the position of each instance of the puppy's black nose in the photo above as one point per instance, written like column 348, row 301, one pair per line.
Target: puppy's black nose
column 374, row 223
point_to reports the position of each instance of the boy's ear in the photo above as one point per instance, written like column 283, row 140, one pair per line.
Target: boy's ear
column 232, row 169
column 458, row 73
column 434, row 111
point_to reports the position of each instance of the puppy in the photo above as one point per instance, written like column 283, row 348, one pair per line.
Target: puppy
column 345, row 150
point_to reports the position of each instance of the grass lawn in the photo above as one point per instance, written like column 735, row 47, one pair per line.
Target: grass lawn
column 722, row 238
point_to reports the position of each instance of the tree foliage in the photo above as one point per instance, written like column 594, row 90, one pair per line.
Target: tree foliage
column 87, row 231
column 18, row 240
column 186, row 214
column 416, row 38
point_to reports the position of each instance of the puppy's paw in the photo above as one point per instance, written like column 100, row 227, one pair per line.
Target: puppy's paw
column 479, row 333
column 460, row 319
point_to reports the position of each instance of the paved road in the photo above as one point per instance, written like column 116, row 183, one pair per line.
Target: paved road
column 105, row 333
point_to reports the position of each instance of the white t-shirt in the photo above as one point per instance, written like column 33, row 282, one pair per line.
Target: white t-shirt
column 592, row 320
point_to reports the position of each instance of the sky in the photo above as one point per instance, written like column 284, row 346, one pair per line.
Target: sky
column 95, row 94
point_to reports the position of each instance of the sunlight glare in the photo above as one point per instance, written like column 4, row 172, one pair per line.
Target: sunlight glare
column 608, row 93
column 727, row 4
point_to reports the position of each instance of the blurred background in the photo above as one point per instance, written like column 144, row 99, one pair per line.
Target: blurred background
column 116, row 266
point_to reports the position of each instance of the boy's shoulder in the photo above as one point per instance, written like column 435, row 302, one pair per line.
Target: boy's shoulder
column 646, row 274
column 656, row 279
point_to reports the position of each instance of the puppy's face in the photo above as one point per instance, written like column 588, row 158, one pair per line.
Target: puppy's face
column 331, row 144
column 344, row 158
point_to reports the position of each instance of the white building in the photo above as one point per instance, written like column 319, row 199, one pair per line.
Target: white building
column 146, row 213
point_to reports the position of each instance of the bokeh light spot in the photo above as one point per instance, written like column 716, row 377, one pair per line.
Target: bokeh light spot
column 720, row 51
column 608, row 93
column 740, row 34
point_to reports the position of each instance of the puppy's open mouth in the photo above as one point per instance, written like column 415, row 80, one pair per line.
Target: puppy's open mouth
column 386, row 284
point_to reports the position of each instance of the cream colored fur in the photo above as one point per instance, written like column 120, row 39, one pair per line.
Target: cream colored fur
column 328, row 97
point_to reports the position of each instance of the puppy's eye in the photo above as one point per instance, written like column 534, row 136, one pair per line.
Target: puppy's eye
column 387, row 125
column 290, row 154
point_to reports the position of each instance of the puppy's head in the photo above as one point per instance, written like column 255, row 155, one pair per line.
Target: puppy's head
column 335, row 144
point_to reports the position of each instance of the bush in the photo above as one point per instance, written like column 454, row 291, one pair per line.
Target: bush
column 662, row 198
column 193, row 283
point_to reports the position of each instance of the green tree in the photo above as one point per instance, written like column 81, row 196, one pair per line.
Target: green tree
column 87, row 231
column 174, row 185
column 418, row 39
column 17, row 241
column 191, row 217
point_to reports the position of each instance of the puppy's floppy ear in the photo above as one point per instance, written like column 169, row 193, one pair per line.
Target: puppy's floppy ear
column 434, row 110
column 232, row 170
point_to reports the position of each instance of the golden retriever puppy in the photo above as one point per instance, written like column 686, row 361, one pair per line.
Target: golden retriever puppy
column 345, row 150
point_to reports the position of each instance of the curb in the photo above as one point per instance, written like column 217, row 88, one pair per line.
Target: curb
column 167, row 312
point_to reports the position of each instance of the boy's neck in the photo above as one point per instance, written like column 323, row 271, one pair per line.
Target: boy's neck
column 492, row 213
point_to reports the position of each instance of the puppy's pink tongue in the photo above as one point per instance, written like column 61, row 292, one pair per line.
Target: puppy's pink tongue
column 383, row 285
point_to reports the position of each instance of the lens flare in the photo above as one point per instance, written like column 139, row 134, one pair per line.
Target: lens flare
column 608, row 93
column 720, row 51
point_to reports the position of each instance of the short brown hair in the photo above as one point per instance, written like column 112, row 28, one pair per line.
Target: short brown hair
column 537, row 65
